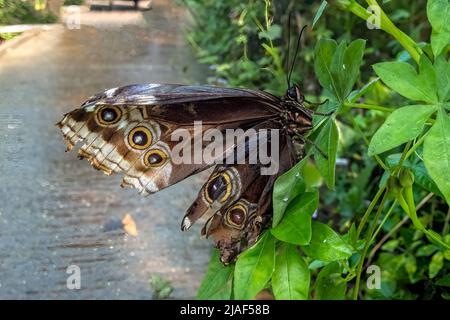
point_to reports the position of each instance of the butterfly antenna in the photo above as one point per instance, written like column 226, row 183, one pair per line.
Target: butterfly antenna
column 286, row 67
column 296, row 52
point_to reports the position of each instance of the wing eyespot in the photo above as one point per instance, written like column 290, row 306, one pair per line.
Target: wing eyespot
column 219, row 187
column 140, row 138
column 108, row 115
column 155, row 158
column 236, row 216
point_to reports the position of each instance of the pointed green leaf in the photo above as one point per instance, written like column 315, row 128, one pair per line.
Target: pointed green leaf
column 254, row 267
column 326, row 245
column 442, row 68
column 323, row 56
column 436, row 153
column 345, row 66
column 329, row 283
column 436, row 264
column 402, row 125
column 216, row 284
column 327, row 141
column 444, row 281
column 272, row 33
column 290, row 280
column 295, row 227
column 403, row 78
column 438, row 12
column 422, row 178
column 319, row 13
column 286, row 188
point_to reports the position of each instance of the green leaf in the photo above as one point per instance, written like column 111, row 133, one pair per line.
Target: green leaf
column 352, row 235
column 391, row 245
column 295, row 227
column 286, row 188
column 444, row 281
column 319, row 13
column 358, row 93
column 436, row 264
column 216, row 284
column 442, row 68
column 254, row 268
column 313, row 178
column 422, row 178
column 436, row 153
column 436, row 238
column 327, row 141
column 326, row 245
column 410, row 264
column 337, row 66
column 329, row 283
column 438, row 12
column 426, row 250
column 402, row 125
column 345, row 66
column 290, row 280
column 323, row 56
column 273, row 33
column 403, row 78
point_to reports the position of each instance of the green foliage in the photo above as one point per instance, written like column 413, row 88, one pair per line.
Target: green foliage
column 254, row 268
column 384, row 184
column 287, row 187
column 327, row 141
column 402, row 125
column 436, row 153
column 326, row 245
column 439, row 16
column 18, row 11
column 73, row 2
column 217, row 281
column 329, row 283
column 162, row 289
column 295, row 227
column 290, row 280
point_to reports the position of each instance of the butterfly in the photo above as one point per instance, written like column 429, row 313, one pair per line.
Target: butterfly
column 128, row 130
column 131, row 130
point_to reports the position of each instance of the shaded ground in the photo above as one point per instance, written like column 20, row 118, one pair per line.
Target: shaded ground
column 53, row 207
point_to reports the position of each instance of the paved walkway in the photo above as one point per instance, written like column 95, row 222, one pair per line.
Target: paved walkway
column 53, row 208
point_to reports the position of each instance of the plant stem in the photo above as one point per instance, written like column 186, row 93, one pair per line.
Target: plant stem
column 447, row 218
column 385, row 24
column 366, row 247
column 367, row 106
column 391, row 209
column 396, row 227
column 388, row 26
column 402, row 159
column 416, row 145
column 369, row 210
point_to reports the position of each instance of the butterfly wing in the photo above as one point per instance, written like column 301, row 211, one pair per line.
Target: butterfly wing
column 129, row 129
column 238, row 224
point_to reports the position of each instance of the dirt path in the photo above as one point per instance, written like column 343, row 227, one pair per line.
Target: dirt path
column 53, row 208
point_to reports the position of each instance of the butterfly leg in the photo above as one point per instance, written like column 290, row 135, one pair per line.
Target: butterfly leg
column 325, row 114
column 305, row 140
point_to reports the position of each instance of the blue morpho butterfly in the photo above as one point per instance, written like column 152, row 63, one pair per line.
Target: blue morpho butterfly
column 128, row 129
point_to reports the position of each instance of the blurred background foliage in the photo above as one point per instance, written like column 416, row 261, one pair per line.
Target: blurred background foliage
column 24, row 12
column 229, row 37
